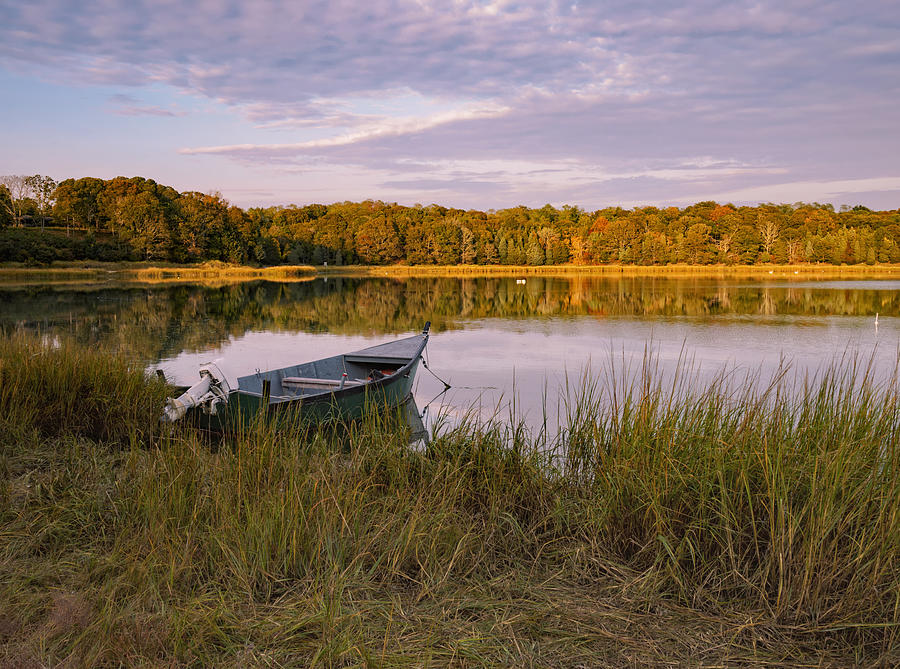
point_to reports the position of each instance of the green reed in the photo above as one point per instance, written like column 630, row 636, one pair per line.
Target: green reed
column 784, row 493
column 53, row 387
column 758, row 520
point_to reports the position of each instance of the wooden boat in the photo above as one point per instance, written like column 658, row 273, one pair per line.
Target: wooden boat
column 338, row 387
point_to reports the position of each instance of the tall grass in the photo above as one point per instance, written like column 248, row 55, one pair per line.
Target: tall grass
column 786, row 494
column 52, row 387
column 672, row 523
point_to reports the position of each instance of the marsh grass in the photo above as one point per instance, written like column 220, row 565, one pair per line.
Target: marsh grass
column 52, row 387
column 670, row 523
column 210, row 272
column 791, row 272
column 782, row 493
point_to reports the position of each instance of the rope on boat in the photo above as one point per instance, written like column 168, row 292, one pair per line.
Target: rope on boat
column 424, row 411
column 447, row 386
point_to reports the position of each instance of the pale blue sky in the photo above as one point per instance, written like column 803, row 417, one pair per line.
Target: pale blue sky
column 464, row 103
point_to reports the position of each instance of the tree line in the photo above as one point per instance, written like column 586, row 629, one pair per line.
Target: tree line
column 139, row 219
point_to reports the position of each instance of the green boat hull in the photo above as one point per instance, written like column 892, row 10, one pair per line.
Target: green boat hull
column 342, row 387
column 352, row 404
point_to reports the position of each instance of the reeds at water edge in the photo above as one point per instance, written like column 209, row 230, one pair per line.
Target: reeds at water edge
column 751, row 523
column 782, row 492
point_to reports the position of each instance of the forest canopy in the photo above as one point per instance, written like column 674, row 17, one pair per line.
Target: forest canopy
column 138, row 219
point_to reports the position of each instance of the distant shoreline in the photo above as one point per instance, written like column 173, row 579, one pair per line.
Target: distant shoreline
column 150, row 273
column 155, row 273
column 887, row 270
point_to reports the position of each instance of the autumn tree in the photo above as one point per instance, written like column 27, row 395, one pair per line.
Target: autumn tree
column 469, row 252
column 378, row 241
column 155, row 221
column 696, row 244
column 767, row 225
column 446, row 240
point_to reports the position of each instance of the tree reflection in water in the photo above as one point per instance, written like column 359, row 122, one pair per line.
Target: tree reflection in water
column 151, row 322
column 519, row 331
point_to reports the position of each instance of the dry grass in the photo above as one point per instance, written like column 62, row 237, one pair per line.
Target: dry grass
column 217, row 273
column 208, row 273
column 801, row 272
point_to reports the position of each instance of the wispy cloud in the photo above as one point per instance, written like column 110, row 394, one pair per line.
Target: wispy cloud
column 126, row 105
column 608, row 97
column 376, row 129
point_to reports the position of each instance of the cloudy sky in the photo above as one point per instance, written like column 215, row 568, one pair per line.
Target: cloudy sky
column 468, row 103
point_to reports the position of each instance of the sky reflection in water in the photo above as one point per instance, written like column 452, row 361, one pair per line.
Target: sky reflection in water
column 493, row 339
column 490, row 361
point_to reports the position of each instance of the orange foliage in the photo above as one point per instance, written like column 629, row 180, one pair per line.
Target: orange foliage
column 600, row 225
column 721, row 211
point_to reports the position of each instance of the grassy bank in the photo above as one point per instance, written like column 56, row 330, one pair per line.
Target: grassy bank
column 804, row 271
column 699, row 527
column 220, row 273
column 151, row 273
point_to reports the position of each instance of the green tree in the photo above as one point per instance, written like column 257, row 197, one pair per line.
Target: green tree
column 202, row 223
column 6, row 208
column 515, row 252
column 503, row 250
column 143, row 225
column 76, row 202
column 487, row 248
column 746, row 245
column 534, row 254
column 118, row 198
column 42, row 189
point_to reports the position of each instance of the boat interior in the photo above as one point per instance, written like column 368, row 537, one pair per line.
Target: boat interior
column 318, row 377
column 322, row 377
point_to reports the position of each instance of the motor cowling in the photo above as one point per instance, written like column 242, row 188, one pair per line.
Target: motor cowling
column 210, row 393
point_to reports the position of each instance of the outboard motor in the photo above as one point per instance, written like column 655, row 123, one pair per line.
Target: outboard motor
column 210, row 393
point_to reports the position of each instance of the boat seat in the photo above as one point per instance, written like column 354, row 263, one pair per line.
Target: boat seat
column 376, row 359
column 317, row 383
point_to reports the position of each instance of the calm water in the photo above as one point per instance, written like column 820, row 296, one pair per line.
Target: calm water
column 493, row 338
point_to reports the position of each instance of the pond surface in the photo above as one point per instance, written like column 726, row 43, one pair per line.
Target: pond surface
column 493, row 338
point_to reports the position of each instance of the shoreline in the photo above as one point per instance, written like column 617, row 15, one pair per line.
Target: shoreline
column 462, row 271
column 151, row 273
column 147, row 273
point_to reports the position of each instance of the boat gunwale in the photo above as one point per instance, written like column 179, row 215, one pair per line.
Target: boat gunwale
column 347, row 391
column 275, row 406
column 389, row 388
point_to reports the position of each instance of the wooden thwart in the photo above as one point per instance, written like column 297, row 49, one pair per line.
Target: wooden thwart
column 317, row 383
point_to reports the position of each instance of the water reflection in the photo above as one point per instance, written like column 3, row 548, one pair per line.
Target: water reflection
column 492, row 337
column 154, row 322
